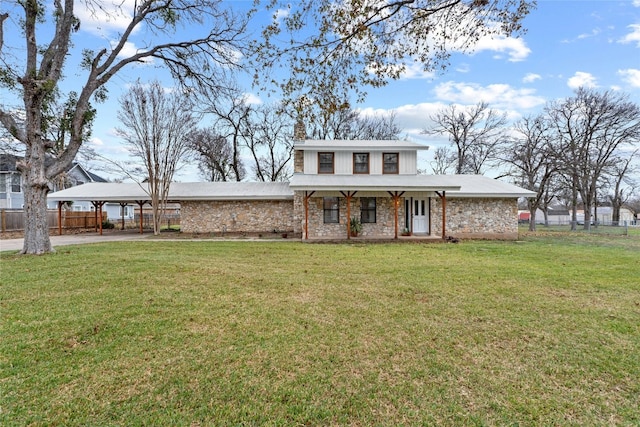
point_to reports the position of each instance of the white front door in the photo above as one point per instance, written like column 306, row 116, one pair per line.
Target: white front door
column 420, row 215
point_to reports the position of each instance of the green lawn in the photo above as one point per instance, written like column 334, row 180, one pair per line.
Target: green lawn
column 545, row 331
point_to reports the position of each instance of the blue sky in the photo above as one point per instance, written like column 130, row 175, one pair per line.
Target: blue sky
column 567, row 44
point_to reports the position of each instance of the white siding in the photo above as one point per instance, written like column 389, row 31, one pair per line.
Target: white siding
column 310, row 162
column 408, row 162
column 343, row 162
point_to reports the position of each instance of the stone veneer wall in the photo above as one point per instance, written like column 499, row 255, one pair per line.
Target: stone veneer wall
column 240, row 216
column 384, row 227
column 476, row 218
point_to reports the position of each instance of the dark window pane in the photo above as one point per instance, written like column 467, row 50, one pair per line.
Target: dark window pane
column 367, row 210
column 390, row 163
column 325, row 162
column 331, row 210
column 361, row 163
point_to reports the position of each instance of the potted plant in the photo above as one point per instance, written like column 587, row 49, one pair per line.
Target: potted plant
column 355, row 226
column 406, row 232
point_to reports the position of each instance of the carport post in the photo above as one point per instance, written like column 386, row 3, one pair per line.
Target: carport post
column 140, row 204
column 60, row 203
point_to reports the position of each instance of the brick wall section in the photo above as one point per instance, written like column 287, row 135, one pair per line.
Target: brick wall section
column 476, row 218
column 384, row 227
column 250, row 216
column 466, row 218
column 298, row 161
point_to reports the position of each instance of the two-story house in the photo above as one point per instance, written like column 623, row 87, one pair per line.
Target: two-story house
column 376, row 182
column 11, row 191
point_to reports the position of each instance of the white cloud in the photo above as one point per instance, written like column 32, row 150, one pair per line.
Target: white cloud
column 633, row 36
column 531, row 77
column 96, row 142
column 281, row 14
column 593, row 33
column 105, row 18
column 129, row 49
column 415, row 71
column 463, row 68
column 496, row 95
column 516, row 49
column 252, row 99
column 582, row 79
column 631, row 76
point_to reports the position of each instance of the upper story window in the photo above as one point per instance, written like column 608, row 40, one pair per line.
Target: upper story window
column 390, row 163
column 325, row 163
column 361, row 163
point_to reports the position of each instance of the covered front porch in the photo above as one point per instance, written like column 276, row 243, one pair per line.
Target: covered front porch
column 385, row 207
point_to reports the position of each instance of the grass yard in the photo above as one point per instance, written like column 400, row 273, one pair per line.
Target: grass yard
column 545, row 331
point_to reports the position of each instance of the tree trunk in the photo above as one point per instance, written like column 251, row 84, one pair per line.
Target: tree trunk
column 532, row 217
column 36, row 225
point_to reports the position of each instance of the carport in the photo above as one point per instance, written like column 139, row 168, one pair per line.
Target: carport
column 99, row 193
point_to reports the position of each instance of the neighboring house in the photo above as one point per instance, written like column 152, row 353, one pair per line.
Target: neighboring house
column 11, row 195
column 605, row 216
column 376, row 182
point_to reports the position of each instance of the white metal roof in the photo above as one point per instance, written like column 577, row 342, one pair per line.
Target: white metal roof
column 455, row 185
column 116, row 192
column 351, row 145
column 326, row 182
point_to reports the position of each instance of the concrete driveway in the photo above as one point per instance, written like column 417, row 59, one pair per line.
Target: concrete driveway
column 77, row 239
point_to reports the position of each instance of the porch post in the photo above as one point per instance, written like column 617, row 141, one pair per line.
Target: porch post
column 348, row 196
column 396, row 204
column 443, row 198
column 307, row 196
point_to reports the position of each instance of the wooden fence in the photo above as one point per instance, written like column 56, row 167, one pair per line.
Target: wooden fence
column 13, row 220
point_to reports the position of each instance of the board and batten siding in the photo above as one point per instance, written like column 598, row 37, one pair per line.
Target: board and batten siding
column 343, row 162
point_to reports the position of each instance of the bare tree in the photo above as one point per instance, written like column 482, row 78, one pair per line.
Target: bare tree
column 156, row 126
column 444, row 161
column 270, row 142
column 531, row 161
column 351, row 45
column 33, row 76
column 379, row 126
column 330, row 122
column 475, row 132
column 620, row 183
column 231, row 113
column 215, row 155
column 589, row 129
